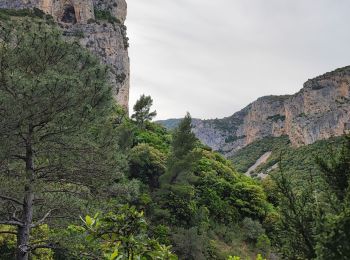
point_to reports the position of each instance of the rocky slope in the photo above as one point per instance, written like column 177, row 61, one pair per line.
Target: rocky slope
column 99, row 25
column 320, row 110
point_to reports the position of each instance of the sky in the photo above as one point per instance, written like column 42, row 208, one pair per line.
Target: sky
column 214, row 57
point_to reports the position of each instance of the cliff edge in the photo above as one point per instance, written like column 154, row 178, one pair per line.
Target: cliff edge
column 99, row 25
column 320, row 110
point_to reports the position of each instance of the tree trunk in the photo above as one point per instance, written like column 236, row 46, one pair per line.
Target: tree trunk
column 23, row 247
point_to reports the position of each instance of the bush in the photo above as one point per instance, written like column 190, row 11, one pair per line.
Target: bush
column 263, row 244
column 189, row 244
column 252, row 229
column 105, row 15
column 147, row 164
column 123, row 235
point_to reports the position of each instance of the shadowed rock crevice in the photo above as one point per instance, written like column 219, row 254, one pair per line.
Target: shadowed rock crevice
column 69, row 15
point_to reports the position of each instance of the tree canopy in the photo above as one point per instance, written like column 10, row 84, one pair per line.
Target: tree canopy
column 142, row 110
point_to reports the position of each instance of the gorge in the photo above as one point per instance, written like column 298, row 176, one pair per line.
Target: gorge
column 320, row 110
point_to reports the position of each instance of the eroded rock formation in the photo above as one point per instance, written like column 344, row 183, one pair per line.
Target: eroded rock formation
column 104, row 38
column 320, row 110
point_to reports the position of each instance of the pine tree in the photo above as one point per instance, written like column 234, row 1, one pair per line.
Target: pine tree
column 142, row 110
column 334, row 220
column 336, row 171
column 55, row 109
column 296, row 230
column 183, row 139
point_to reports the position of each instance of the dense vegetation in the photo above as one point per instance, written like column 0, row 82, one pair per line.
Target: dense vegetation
column 67, row 151
column 247, row 156
column 298, row 160
column 310, row 191
column 81, row 180
column 314, row 207
column 193, row 197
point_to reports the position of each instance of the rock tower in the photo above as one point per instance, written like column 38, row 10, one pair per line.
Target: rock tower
column 103, row 34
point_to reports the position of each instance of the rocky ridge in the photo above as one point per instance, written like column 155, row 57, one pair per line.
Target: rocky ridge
column 320, row 110
column 103, row 34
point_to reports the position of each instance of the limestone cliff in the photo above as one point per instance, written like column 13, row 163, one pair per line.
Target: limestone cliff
column 104, row 35
column 321, row 109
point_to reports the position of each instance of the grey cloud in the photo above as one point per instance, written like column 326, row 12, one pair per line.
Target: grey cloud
column 214, row 57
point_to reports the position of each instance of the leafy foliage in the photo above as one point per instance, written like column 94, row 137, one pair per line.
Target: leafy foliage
column 147, row 164
column 198, row 190
column 123, row 235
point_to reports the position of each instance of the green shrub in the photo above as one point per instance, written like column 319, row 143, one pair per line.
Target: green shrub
column 263, row 244
column 276, row 118
column 123, row 235
column 190, row 244
column 106, row 16
column 252, row 229
column 147, row 164
column 6, row 14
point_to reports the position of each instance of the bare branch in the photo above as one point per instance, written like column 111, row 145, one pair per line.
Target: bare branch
column 16, row 156
column 42, row 220
column 11, row 199
column 14, row 217
column 50, row 246
column 12, row 223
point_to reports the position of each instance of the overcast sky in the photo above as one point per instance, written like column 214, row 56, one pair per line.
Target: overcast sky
column 213, row 57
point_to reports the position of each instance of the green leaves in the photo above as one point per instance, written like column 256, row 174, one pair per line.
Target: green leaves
column 123, row 235
column 147, row 164
column 89, row 221
column 114, row 255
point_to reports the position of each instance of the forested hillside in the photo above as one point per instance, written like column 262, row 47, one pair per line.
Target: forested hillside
column 293, row 159
column 82, row 180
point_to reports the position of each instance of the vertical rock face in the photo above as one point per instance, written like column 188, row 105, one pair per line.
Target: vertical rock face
column 68, row 11
column 320, row 110
column 105, row 38
column 262, row 118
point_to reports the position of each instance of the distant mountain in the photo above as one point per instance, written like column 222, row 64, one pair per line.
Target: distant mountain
column 320, row 110
column 169, row 123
